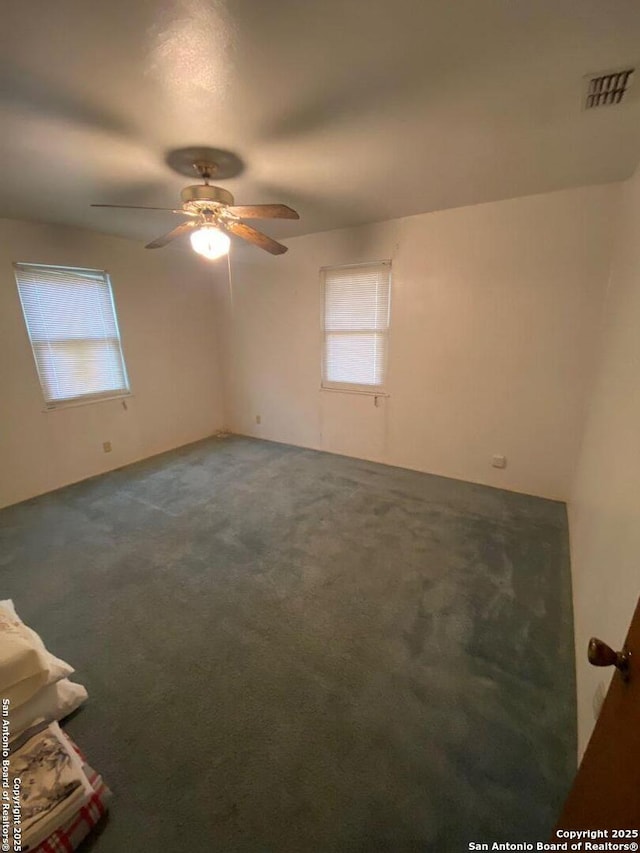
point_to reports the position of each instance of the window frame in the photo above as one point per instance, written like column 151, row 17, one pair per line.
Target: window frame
column 354, row 387
column 80, row 399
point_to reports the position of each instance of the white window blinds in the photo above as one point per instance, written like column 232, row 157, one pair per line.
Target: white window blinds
column 356, row 326
column 72, row 325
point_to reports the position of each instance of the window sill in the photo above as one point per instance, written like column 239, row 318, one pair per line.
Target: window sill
column 355, row 391
column 73, row 404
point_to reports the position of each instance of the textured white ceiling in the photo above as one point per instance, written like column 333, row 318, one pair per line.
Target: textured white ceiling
column 349, row 110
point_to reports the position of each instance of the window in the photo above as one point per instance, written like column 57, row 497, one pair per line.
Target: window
column 356, row 326
column 72, row 326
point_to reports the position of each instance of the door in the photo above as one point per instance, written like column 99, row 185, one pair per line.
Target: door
column 606, row 790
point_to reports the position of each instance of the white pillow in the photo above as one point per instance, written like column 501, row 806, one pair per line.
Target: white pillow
column 23, row 669
column 56, row 668
column 52, row 702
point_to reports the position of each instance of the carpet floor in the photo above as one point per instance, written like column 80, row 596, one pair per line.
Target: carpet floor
column 288, row 651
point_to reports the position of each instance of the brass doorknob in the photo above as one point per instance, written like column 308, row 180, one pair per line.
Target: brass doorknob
column 600, row 654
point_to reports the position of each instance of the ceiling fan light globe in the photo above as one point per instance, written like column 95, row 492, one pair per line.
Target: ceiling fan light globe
column 210, row 242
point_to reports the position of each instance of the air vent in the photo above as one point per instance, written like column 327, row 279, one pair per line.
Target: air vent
column 604, row 90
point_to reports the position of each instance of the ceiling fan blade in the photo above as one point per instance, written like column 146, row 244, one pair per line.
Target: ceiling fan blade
column 264, row 211
column 137, row 207
column 256, row 237
column 159, row 242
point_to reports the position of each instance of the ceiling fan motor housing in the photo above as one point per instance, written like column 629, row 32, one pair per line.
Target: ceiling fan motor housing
column 204, row 195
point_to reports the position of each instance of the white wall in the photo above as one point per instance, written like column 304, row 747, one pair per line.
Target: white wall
column 167, row 314
column 494, row 312
column 604, row 510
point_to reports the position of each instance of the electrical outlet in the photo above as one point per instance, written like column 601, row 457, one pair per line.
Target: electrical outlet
column 106, row 446
column 258, row 419
column 499, row 461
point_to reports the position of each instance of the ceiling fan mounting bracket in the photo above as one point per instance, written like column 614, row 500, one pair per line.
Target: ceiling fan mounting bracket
column 205, row 169
column 207, row 162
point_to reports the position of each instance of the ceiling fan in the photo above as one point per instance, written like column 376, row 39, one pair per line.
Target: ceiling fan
column 210, row 210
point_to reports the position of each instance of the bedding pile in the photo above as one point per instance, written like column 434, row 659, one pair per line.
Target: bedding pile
column 50, row 798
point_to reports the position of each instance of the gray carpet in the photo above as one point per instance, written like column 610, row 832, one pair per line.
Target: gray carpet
column 290, row 651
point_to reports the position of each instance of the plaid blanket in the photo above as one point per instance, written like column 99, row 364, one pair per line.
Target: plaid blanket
column 74, row 831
